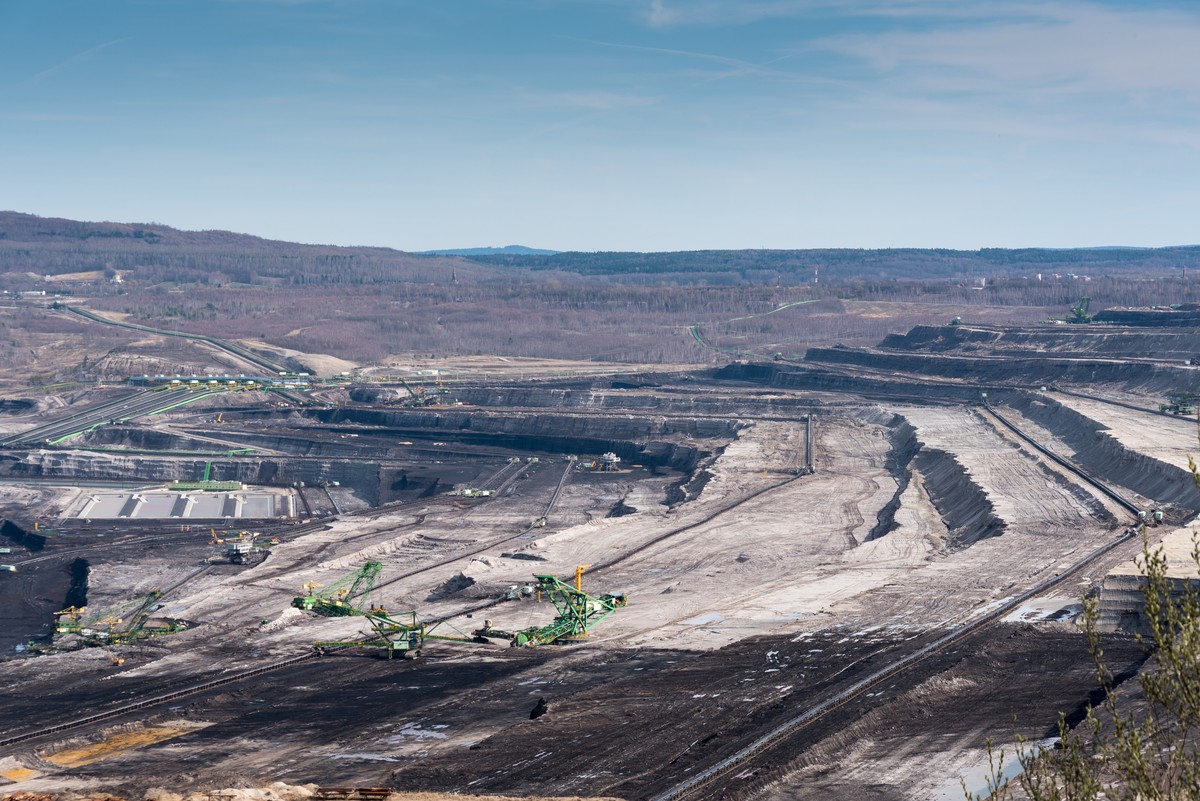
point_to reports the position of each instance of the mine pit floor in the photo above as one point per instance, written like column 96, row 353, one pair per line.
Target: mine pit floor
column 756, row 591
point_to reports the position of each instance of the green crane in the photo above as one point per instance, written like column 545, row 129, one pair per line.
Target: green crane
column 416, row 397
column 122, row 623
column 578, row 613
column 397, row 634
column 1180, row 403
column 345, row 597
column 1079, row 312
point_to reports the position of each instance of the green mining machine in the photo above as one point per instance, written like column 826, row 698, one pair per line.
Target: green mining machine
column 116, row 625
column 1180, row 403
column 396, row 634
column 345, row 597
column 578, row 613
column 1080, row 312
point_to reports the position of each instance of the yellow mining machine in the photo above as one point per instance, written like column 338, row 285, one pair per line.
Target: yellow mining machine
column 244, row 547
column 118, row 624
column 66, row 621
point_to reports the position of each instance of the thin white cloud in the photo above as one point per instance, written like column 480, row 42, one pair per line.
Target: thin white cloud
column 598, row 100
column 736, row 63
column 671, row 13
column 75, row 59
column 1088, row 50
column 678, row 13
column 1072, row 71
column 734, row 67
column 36, row 116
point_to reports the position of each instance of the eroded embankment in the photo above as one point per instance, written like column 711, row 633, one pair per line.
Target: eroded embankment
column 962, row 504
column 683, row 398
column 821, row 379
column 904, row 447
column 1025, row 371
column 641, row 439
column 1030, row 341
column 1099, row 452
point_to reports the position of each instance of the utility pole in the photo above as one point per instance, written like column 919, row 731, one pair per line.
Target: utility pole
column 808, row 443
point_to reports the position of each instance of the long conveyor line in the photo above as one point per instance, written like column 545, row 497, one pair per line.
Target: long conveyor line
column 722, row 768
column 1071, row 466
column 242, row 676
column 228, row 347
column 820, row 710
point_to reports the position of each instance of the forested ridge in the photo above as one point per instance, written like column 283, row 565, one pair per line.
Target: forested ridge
column 366, row 303
column 901, row 263
column 53, row 245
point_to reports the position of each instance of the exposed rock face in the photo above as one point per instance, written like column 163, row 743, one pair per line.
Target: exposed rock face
column 592, row 426
column 1102, row 454
column 77, row 595
column 1122, row 598
column 372, row 465
column 1017, row 371
column 1039, row 341
column 368, row 478
column 831, row 379
column 644, row 440
column 1185, row 316
column 679, row 400
column 904, row 447
column 963, row 505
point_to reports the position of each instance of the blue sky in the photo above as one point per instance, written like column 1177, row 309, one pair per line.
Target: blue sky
column 610, row 124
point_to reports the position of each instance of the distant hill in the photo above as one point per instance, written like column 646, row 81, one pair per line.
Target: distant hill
column 507, row 250
column 861, row 264
column 155, row 253
column 19, row 227
column 158, row 253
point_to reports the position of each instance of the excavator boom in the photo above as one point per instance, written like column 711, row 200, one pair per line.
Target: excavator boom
column 348, row 596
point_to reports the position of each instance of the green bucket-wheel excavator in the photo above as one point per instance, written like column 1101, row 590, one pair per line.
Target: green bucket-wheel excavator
column 578, row 614
column 347, row 596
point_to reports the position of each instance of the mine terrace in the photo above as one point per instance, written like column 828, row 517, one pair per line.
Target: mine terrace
column 766, row 578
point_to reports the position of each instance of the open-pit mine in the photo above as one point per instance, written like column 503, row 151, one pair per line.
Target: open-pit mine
column 834, row 577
